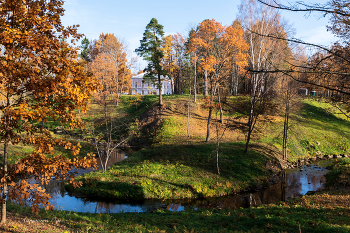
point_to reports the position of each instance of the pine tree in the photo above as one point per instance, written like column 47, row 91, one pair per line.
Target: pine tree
column 85, row 50
column 151, row 52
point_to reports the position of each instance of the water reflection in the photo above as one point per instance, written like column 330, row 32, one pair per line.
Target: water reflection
column 293, row 184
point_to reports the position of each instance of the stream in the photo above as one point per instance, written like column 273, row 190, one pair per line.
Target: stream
column 294, row 183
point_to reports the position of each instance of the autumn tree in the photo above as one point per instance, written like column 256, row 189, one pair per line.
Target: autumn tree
column 193, row 55
column 217, row 46
column 40, row 78
column 116, row 52
column 174, row 60
column 112, row 70
column 150, row 50
column 168, row 61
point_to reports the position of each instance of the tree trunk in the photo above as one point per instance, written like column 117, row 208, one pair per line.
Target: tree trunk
column 188, row 114
column 160, row 91
column 212, row 91
column 250, row 123
column 172, row 86
column 195, row 82
column 206, row 83
column 4, row 190
column 234, row 87
column 217, row 149
column 285, row 128
column 117, row 95
column 208, row 125
column 221, row 112
column 180, row 82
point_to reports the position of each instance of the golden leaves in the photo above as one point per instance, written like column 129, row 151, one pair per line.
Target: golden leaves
column 41, row 78
column 110, row 68
column 215, row 45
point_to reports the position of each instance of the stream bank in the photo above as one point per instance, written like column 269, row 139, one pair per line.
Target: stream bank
column 293, row 183
column 325, row 211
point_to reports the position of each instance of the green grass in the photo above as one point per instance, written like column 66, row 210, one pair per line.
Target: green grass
column 284, row 217
column 175, row 166
column 339, row 176
column 180, row 171
column 315, row 128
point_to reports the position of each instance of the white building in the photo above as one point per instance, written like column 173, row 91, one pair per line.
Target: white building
column 148, row 88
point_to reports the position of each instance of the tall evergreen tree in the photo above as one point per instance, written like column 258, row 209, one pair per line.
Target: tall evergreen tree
column 151, row 52
column 85, row 50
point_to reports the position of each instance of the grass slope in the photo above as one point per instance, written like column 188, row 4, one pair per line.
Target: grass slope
column 316, row 128
column 179, row 165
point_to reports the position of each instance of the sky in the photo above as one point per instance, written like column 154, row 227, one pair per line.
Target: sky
column 127, row 19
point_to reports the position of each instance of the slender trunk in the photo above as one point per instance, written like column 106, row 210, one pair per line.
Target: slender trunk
column 205, row 82
column 188, row 114
column 234, row 87
column 195, row 82
column 175, row 84
column 221, row 112
column 180, row 82
column 208, row 124
column 4, row 190
column 233, row 84
column 108, row 134
column 117, row 95
column 285, row 128
column 160, row 91
column 250, row 123
column 172, row 86
column 212, row 94
column 217, row 148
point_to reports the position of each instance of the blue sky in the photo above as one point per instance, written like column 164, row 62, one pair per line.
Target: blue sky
column 127, row 19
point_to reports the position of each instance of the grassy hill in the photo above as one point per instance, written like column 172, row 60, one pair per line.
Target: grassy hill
column 175, row 162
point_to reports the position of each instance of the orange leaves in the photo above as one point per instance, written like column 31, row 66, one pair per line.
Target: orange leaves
column 218, row 47
column 110, row 67
column 208, row 102
column 41, row 78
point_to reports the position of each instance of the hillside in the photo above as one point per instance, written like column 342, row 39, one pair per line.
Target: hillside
column 169, row 163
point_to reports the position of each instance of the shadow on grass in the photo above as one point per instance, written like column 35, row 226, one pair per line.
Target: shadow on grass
column 329, row 122
column 103, row 190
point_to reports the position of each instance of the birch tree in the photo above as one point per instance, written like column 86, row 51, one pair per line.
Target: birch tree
column 259, row 19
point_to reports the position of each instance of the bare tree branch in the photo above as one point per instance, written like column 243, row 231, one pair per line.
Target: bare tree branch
column 307, row 8
column 294, row 40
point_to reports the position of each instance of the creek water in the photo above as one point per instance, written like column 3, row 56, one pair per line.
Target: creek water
column 293, row 183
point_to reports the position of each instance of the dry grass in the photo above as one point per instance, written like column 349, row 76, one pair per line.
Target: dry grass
column 32, row 223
